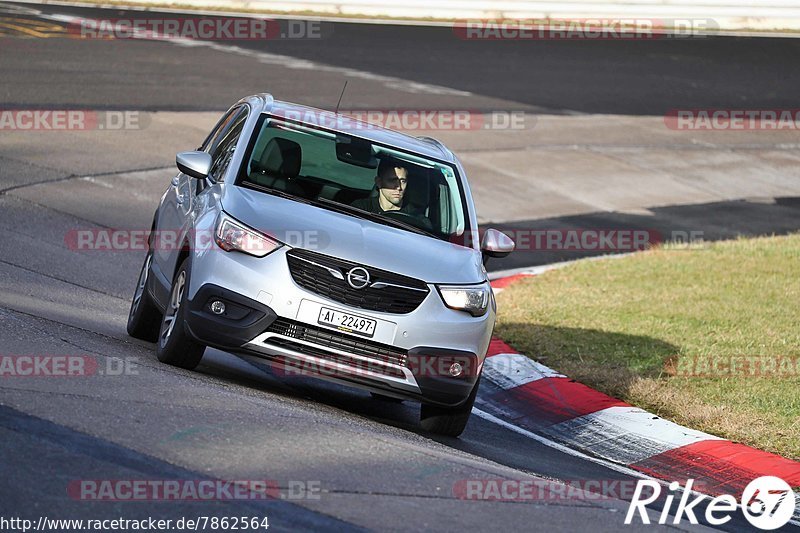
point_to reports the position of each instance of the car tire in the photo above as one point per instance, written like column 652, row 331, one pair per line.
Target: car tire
column 383, row 398
column 448, row 421
column 144, row 317
column 175, row 346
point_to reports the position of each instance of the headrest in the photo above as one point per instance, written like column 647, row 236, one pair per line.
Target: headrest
column 281, row 156
column 418, row 188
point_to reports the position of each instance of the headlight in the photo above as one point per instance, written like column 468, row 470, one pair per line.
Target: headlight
column 233, row 236
column 474, row 299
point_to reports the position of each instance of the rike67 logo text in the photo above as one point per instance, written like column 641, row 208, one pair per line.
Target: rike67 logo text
column 767, row 502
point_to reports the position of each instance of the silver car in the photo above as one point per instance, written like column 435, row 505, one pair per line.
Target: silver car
column 327, row 247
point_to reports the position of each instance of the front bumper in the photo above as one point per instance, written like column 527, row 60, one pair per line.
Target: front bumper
column 301, row 349
column 242, row 320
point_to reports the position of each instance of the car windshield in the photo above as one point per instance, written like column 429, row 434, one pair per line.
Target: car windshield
column 352, row 175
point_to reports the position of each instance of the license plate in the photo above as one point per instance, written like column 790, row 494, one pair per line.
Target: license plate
column 347, row 322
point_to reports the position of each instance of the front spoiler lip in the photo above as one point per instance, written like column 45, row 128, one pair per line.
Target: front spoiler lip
column 259, row 346
column 377, row 386
column 347, row 375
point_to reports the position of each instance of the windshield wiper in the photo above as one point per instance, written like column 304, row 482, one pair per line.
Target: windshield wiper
column 374, row 217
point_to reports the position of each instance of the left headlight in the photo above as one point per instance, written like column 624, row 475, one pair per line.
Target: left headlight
column 233, row 236
column 474, row 299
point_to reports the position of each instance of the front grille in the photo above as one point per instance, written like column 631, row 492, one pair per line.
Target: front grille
column 315, row 272
column 338, row 341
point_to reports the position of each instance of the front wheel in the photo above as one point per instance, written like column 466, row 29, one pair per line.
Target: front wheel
column 175, row 347
column 144, row 318
column 448, row 421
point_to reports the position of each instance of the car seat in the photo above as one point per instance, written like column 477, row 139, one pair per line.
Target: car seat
column 278, row 166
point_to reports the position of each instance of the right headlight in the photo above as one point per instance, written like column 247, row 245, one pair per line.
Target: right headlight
column 233, row 236
column 474, row 299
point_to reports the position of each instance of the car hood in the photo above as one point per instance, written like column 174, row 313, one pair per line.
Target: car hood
column 354, row 239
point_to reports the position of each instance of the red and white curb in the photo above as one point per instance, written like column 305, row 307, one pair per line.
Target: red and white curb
column 543, row 402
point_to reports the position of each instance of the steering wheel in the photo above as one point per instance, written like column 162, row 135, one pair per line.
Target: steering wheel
column 419, row 221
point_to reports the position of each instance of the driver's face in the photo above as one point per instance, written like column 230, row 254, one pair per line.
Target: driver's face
column 393, row 188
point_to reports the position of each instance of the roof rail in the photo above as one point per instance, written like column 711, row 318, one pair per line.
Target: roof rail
column 436, row 142
column 266, row 97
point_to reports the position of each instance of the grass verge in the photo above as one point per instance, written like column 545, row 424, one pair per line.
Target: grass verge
column 708, row 337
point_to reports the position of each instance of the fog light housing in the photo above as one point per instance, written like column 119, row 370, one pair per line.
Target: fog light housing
column 217, row 307
column 456, row 369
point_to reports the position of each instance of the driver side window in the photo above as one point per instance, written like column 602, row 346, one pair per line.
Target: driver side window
column 222, row 143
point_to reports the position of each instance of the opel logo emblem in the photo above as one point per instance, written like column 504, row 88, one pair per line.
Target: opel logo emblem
column 358, row 278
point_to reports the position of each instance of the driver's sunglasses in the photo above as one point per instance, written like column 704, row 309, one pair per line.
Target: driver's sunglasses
column 394, row 183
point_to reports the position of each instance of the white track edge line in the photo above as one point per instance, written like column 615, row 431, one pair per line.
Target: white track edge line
column 560, row 447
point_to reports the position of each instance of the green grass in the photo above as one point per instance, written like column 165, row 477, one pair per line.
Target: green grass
column 624, row 326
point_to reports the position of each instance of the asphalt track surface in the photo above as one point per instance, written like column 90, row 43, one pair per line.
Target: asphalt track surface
column 612, row 76
column 229, row 419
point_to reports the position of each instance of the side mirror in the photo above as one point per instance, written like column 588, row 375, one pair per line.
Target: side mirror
column 496, row 244
column 194, row 164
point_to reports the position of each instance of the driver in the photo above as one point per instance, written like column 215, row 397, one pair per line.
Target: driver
column 390, row 184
